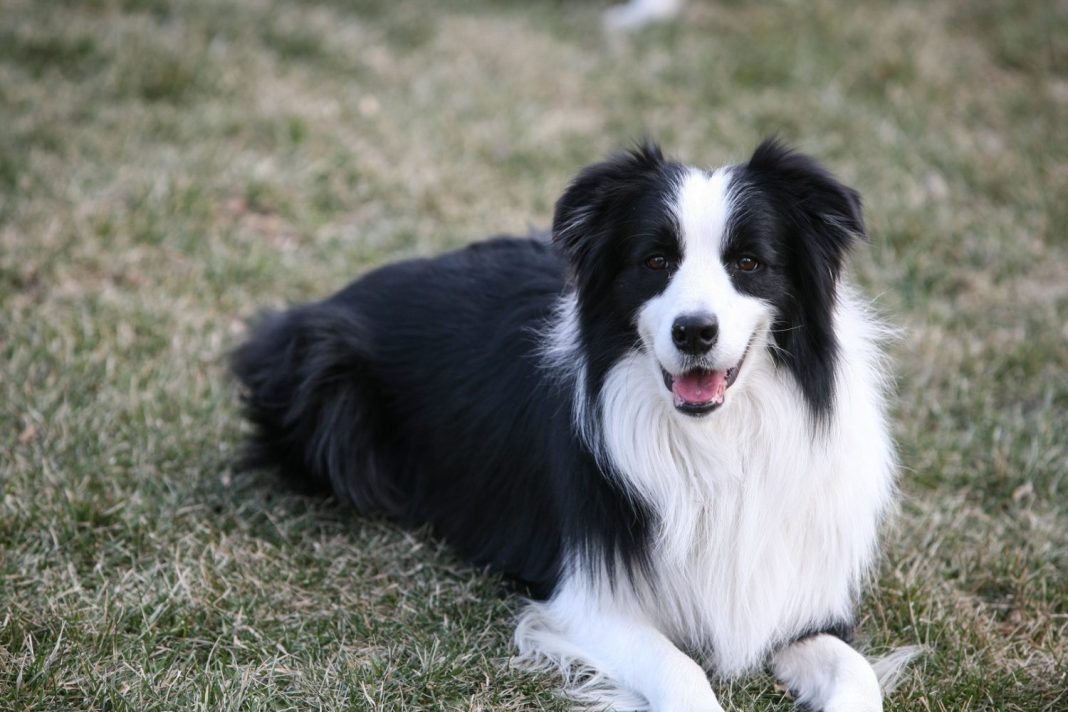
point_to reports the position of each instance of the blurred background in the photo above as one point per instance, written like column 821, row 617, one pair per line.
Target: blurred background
column 169, row 168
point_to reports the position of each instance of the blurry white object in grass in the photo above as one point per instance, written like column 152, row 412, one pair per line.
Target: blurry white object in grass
column 639, row 13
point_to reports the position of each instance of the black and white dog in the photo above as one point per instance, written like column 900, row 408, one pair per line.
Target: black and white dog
column 668, row 423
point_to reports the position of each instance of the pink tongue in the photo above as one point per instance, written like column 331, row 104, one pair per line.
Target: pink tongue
column 700, row 386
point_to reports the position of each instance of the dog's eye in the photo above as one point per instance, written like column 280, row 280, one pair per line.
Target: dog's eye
column 747, row 264
column 657, row 262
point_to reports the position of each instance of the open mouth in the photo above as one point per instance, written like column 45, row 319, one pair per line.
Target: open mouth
column 700, row 391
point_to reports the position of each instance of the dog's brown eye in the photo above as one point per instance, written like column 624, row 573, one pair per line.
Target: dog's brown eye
column 656, row 262
column 747, row 264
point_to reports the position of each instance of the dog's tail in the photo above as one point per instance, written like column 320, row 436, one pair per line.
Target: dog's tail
column 890, row 668
column 316, row 414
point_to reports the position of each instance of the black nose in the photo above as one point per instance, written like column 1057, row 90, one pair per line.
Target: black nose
column 695, row 334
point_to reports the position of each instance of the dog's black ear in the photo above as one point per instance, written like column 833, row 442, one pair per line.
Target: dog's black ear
column 827, row 214
column 599, row 197
column 818, row 220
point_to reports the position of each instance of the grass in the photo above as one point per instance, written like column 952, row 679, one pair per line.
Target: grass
column 168, row 168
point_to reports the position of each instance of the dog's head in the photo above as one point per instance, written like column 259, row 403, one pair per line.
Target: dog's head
column 705, row 270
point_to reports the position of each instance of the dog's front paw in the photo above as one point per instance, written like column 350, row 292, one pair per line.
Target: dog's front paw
column 687, row 689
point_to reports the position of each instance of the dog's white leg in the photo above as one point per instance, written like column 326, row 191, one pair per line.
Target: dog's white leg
column 616, row 647
column 826, row 673
column 641, row 658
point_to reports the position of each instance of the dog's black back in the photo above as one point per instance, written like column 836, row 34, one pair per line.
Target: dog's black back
column 418, row 392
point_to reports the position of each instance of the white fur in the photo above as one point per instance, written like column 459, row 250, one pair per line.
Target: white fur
column 829, row 675
column 701, row 283
column 623, row 658
column 562, row 356
column 768, row 523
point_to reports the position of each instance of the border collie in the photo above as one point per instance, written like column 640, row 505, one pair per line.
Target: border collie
column 667, row 422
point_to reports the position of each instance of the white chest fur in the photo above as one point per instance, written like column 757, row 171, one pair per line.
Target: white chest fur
column 767, row 524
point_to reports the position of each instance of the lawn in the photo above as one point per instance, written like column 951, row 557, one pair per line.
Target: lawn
column 168, row 168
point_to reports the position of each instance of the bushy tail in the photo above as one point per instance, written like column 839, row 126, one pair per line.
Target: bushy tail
column 310, row 397
column 890, row 668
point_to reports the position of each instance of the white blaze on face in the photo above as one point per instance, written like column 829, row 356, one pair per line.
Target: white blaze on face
column 701, row 284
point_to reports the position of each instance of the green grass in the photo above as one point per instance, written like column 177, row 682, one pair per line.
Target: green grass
column 168, row 168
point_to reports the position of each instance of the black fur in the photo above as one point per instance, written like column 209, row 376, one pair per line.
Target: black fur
column 802, row 222
column 607, row 222
column 417, row 392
